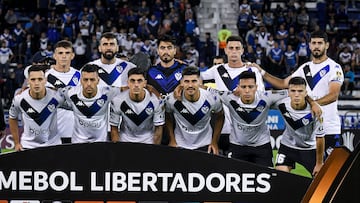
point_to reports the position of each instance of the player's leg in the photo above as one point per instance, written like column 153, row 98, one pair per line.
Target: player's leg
column 263, row 155
column 284, row 161
column 331, row 141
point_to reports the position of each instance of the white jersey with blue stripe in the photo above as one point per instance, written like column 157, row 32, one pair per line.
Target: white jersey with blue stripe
column 249, row 126
column 192, row 119
column 39, row 118
column 226, row 79
column 137, row 120
column 91, row 114
column 58, row 79
column 115, row 74
column 302, row 128
column 318, row 78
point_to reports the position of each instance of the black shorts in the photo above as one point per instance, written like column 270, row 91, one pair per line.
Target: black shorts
column 288, row 156
column 261, row 155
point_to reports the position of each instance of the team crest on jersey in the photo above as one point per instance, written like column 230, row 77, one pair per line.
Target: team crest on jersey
column 305, row 121
column 178, row 76
column 149, row 110
column 119, row 68
column 100, row 102
column 322, row 73
column 204, row 109
column 260, row 108
column 75, row 80
column 51, row 107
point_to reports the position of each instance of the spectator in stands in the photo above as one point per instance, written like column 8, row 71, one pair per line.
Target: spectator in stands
column 263, row 36
column 245, row 7
column 303, row 51
column 355, row 60
column 223, row 34
column 208, row 50
column 292, row 37
column 354, row 44
column 291, row 60
column 342, row 14
column 243, row 23
column 349, row 81
column 2, row 122
column 6, row 56
column 332, row 29
column 84, row 28
column 11, row 18
column 276, row 57
column 345, row 56
column 282, row 34
column 68, row 30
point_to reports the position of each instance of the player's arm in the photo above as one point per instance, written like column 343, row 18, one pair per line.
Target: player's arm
column 158, row 134
column 320, row 147
column 274, row 81
column 169, row 121
column 213, row 147
column 334, row 91
column 14, row 129
column 114, row 132
column 315, row 107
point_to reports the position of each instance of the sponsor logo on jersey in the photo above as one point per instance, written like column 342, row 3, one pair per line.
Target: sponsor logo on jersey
column 184, row 111
column 129, row 111
column 225, row 75
column 57, row 82
column 159, row 77
column 80, row 103
column 75, row 80
column 30, row 110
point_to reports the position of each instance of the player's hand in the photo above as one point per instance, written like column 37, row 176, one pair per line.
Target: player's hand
column 172, row 144
column 18, row 147
column 316, row 169
column 152, row 90
column 213, row 148
column 178, row 92
column 316, row 109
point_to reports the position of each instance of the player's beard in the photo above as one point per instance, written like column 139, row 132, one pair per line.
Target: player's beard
column 166, row 58
column 108, row 55
column 318, row 54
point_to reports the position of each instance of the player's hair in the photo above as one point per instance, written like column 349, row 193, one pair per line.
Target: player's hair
column 297, row 81
column 166, row 38
column 64, row 44
column 137, row 71
column 108, row 35
column 34, row 68
column 90, row 68
column 319, row 34
column 191, row 70
column 247, row 75
column 235, row 38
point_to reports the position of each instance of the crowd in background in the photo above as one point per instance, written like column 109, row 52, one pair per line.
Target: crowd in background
column 275, row 37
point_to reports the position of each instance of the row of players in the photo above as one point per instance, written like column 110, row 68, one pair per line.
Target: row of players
column 249, row 136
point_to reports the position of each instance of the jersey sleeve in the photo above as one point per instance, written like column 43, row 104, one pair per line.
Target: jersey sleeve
column 169, row 103
column 277, row 95
column 15, row 110
column 115, row 114
column 209, row 73
column 337, row 74
column 159, row 113
column 217, row 102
